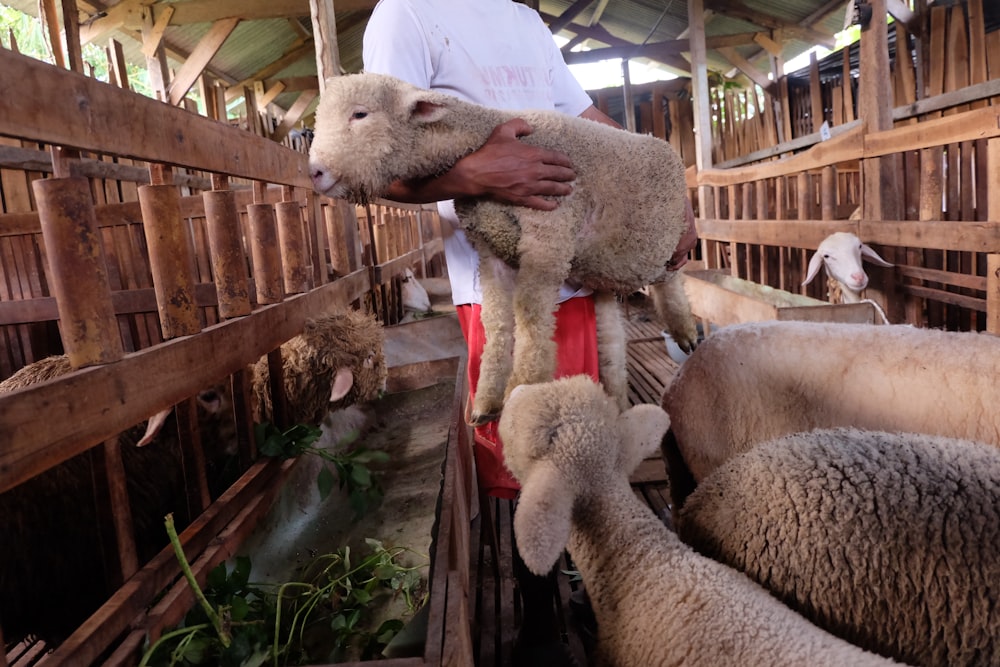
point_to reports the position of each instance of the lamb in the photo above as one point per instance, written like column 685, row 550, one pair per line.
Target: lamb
column 615, row 233
column 750, row 383
column 337, row 361
column 840, row 254
column 657, row 602
column 888, row 540
column 415, row 298
column 52, row 568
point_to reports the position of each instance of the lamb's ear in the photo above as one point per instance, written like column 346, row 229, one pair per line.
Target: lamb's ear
column 542, row 518
column 815, row 262
column 641, row 429
column 153, row 427
column 870, row 255
column 343, row 380
column 425, row 107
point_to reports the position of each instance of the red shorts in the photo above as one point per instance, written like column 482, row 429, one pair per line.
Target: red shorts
column 576, row 340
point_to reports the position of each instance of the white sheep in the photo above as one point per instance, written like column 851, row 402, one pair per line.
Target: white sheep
column 657, row 601
column 750, row 383
column 840, row 254
column 337, row 361
column 416, row 300
column 616, row 232
column 888, row 540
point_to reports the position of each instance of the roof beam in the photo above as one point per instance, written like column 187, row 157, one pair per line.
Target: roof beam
column 299, row 50
column 567, row 16
column 202, row 54
column 295, row 113
column 758, row 77
column 207, row 11
column 736, row 9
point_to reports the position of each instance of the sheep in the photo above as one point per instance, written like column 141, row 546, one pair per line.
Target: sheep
column 335, row 362
column 53, row 570
column 840, row 254
column 416, row 300
column 656, row 600
column 888, row 540
column 616, row 232
column 750, row 383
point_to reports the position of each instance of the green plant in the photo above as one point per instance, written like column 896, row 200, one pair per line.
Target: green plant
column 324, row 616
column 351, row 464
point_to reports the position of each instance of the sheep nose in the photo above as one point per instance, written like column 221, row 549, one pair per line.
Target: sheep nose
column 322, row 180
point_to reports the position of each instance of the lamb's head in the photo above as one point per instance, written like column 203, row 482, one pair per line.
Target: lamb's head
column 565, row 440
column 841, row 253
column 368, row 128
column 347, row 347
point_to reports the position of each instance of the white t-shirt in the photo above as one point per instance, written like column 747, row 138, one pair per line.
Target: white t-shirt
column 497, row 53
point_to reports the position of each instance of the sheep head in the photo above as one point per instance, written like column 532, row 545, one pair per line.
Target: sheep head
column 563, row 440
column 370, row 132
column 841, row 254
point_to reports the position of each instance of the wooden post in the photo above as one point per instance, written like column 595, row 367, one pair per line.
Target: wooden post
column 267, row 273
column 228, row 260
column 993, row 259
column 170, row 258
column 78, row 271
column 703, row 116
column 292, row 241
column 324, row 24
column 828, row 193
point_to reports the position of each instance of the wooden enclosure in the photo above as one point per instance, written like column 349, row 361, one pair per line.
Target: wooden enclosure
column 164, row 252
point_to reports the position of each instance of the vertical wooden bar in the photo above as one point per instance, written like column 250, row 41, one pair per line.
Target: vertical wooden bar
column 993, row 259
column 79, row 277
column 267, row 272
column 292, row 241
column 228, row 261
column 828, row 193
column 170, row 259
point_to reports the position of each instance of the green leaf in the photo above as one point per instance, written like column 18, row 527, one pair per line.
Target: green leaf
column 362, row 596
column 361, row 476
column 385, row 571
column 388, row 630
column 216, row 578
column 338, row 622
column 238, row 608
column 241, row 572
column 325, row 481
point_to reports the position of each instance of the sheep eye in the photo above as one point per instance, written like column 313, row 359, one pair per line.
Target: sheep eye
column 358, row 115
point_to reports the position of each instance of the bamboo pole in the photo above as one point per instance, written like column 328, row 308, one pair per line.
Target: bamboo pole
column 267, row 270
column 78, row 270
column 292, row 242
column 170, row 255
column 228, row 261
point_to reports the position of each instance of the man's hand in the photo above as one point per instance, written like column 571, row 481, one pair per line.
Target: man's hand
column 508, row 170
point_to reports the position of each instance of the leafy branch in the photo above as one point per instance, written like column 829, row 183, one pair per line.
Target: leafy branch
column 352, row 465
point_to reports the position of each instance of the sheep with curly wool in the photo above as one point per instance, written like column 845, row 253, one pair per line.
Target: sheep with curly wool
column 750, row 383
column 616, row 232
column 840, row 254
column 337, row 361
column 888, row 540
column 656, row 600
column 53, row 565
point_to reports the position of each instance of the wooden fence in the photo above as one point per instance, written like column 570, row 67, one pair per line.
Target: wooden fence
column 163, row 252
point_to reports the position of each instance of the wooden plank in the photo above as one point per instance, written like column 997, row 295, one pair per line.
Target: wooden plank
column 206, row 49
column 104, row 119
column 33, row 439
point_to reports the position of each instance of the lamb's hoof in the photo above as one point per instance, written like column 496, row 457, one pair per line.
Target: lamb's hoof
column 476, row 419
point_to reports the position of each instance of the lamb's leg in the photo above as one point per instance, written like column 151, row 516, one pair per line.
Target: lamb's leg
column 674, row 311
column 497, row 280
column 546, row 248
column 611, row 353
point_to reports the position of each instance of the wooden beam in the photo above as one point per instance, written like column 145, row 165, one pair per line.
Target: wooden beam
column 71, row 26
column 595, row 18
column 202, row 54
column 567, row 16
column 127, row 13
column 294, row 84
column 209, row 11
column 116, row 64
column 51, row 20
column 153, row 38
column 295, row 113
column 298, row 51
column 901, row 12
column 324, row 23
column 736, row 9
column 758, row 77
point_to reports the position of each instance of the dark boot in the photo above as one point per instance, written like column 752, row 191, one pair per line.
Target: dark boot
column 539, row 640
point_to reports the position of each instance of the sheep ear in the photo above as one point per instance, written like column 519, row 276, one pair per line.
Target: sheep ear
column 426, row 111
column 343, row 380
column 153, row 427
column 870, row 255
column 815, row 262
column 542, row 518
column 641, row 430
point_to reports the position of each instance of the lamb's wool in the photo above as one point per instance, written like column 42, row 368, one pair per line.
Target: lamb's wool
column 616, row 232
column 657, row 601
column 889, row 540
column 750, row 383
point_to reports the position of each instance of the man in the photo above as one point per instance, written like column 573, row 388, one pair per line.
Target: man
column 497, row 53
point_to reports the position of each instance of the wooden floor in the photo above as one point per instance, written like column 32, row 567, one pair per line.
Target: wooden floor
column 496, row 605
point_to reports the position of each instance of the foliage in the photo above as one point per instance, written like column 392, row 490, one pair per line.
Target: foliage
column 353, row 473
column 319, row 618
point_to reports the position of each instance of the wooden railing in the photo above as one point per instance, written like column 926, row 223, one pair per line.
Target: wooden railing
column 163, row 252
